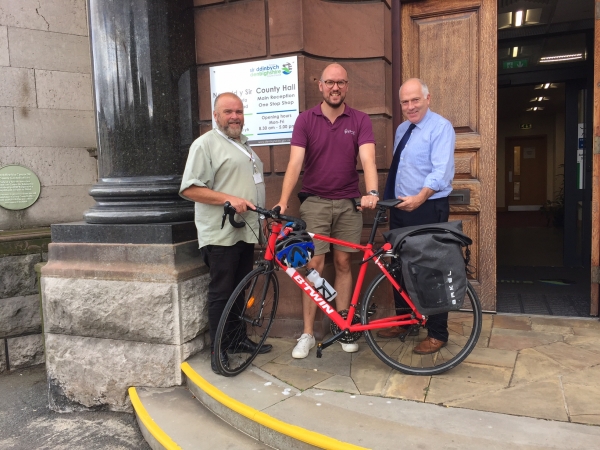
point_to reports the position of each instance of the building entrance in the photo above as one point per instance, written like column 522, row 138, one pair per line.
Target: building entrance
column 544, row 183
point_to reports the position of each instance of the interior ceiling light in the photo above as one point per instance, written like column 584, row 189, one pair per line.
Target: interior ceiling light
column 539, row 99
column 515, row 52
column 532, row 16
column 546, row 86
column 559, row 58
column 535, row 108
column 518, row 18
column 505, row 20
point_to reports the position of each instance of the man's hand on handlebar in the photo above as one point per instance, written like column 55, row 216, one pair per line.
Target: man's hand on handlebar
column 368, row 202
column 241, row 205
column 282, row 206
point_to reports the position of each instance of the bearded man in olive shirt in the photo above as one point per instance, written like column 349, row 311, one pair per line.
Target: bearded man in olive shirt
column 222, row 168
column 327, row 139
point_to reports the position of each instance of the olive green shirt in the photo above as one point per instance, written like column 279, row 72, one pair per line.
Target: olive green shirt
column 217, row 163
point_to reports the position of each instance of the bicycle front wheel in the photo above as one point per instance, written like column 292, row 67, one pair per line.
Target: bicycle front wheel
column 464, row 327
column 249, row 313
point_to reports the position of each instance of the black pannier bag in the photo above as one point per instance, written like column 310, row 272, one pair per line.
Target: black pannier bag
column 434, row 270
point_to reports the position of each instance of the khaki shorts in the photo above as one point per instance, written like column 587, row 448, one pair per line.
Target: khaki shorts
column 334, row 218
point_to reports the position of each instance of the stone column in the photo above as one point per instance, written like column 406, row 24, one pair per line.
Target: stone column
column 145, row 104
column 123, row 293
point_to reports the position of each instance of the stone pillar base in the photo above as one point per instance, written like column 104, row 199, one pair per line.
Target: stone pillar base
column 119, row 315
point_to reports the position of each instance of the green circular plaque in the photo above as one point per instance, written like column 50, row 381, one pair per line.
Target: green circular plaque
column 19, row 187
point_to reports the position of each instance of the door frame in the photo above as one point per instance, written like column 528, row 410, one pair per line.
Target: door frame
column 595, row 231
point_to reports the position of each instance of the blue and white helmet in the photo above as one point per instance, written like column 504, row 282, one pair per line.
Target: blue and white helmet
column 296, row 249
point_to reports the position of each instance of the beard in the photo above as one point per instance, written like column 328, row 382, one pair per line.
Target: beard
column 333, row 105
column 232, row 129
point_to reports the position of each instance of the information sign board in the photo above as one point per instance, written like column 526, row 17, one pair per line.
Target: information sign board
column 269, row 92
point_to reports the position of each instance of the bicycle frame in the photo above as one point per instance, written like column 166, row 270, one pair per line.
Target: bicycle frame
column 345, row 325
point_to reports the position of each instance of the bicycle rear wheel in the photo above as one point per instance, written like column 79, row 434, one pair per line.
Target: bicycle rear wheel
column 464, row 327
column 249, row 313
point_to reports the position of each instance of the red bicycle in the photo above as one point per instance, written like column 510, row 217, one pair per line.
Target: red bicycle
column 254, row 301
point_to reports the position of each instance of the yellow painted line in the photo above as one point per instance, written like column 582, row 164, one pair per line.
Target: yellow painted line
column 149, row 423
column 301, row 434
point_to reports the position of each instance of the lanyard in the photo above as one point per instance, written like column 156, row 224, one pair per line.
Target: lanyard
column 240, row 148
column 258, row 178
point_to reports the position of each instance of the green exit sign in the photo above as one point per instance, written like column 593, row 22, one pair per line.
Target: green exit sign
column 525, row 126
column 514, row 64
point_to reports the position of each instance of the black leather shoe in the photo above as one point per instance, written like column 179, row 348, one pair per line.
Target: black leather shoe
column 213, row 362
column 247, row 346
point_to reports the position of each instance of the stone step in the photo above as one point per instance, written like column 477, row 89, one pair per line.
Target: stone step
column 325, row 414
column 171, row 418
column 252, row 402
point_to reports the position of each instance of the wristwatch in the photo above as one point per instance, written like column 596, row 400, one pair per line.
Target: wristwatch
column 373, row 192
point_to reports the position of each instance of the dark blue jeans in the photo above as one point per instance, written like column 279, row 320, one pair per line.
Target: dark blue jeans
column 432, row 211
column 228, row 266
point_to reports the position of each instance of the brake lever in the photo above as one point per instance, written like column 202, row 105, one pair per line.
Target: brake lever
column 230, row 211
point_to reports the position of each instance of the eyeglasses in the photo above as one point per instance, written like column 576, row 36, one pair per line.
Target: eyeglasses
column 330, row 83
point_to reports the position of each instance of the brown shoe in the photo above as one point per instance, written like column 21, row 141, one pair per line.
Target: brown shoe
column 394, row 332
column 429, row 345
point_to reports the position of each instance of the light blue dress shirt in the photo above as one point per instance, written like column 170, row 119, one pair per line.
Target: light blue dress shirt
column 428, row 158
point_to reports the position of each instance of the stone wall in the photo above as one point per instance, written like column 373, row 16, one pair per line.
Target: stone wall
column 21, row 342
column 46, row 125
column 355, row 34
column 46, row 106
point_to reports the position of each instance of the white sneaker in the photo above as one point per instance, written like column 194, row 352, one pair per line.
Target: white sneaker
column 349, row 348
column 305, row 343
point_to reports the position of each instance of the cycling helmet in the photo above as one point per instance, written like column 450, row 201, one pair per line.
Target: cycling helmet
column 296, row 249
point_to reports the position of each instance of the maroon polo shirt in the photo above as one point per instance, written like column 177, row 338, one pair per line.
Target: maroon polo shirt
column 331, row 151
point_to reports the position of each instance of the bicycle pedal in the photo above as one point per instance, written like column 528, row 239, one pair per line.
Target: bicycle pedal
column 319, row 351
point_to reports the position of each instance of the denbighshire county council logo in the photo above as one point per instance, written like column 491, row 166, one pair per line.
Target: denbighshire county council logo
column 287, row 68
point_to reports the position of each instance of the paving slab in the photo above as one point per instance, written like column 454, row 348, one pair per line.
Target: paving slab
column 492, row 357
column 370, row 374
column 552, row 329
column 479, row 373
column 512, row 322
column 510, row 339
column 581, row 400
column 298, row 377
column 444, row 391
column 570, row 356
column 407, row 387
column 532, row 365
column 541, row 399
column 590, row 343
column 587, row 377
column 281, row 348
column 339, row 383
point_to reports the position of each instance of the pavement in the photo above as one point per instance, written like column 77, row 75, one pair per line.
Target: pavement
column 531, row 383
column 26, row 422
column 533, row 366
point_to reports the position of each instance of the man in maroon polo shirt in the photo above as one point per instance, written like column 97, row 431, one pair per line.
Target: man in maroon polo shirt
column 327, row 139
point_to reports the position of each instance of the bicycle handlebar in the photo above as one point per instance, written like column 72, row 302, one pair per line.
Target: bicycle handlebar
column 297, row 224
column 385, row 204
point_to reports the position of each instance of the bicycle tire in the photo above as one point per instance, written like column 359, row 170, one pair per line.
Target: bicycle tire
column 253, row 303
column 464, row 327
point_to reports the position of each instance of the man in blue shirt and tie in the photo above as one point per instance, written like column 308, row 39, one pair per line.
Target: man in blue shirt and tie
column 421, row 176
